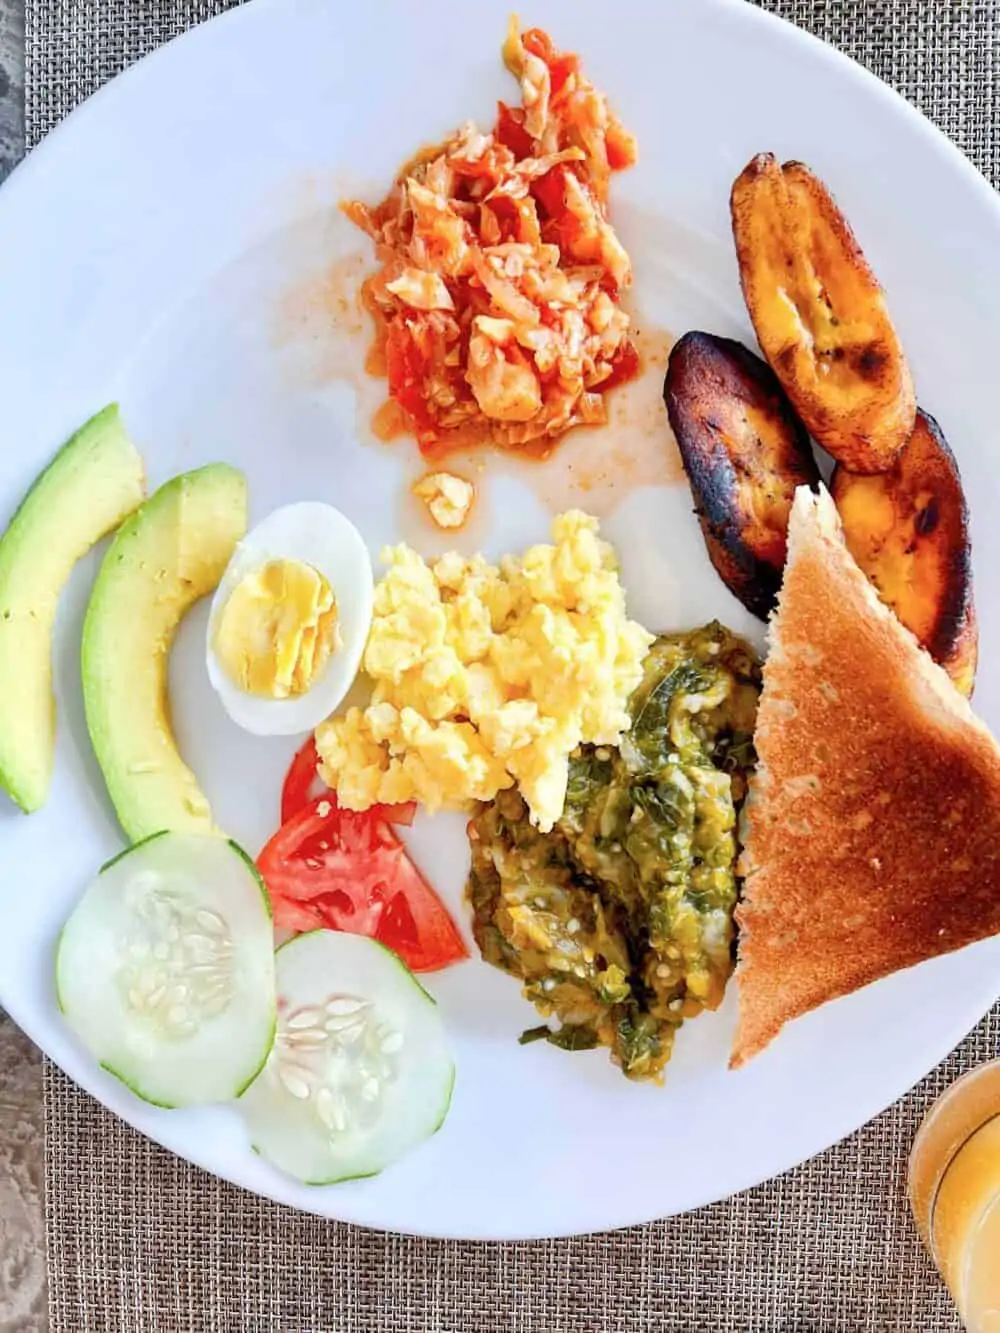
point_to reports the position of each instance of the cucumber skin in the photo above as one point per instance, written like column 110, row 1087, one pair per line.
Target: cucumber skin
column 449, row 1092
column 370, row 1175
column 262, row 888
column 251, row 865
column 174, row 1106
column 258, row 879
column 120, row 856
column 107, row 1068
column 267, row 1055
column 160, row 1106
column 326, row 930
column 324, row 1184
column 244, row 856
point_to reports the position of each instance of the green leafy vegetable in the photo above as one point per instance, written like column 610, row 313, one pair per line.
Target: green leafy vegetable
column 652, row 722
column 531, row 1035
column 567, row 1038
column 619, row 921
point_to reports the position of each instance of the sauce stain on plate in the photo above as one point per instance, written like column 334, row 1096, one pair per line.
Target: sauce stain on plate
column 322, row 320
column 319, row 321
column 598, row 467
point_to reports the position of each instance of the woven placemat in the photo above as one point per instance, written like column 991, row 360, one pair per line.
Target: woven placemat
column 138, row 1240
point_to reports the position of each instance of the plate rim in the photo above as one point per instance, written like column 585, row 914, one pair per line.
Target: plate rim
column 46, row 156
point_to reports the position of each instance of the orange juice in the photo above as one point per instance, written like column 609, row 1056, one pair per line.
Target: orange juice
column 954, row 1186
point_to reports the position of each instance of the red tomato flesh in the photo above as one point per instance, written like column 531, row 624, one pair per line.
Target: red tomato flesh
column 302, row 781
column 511, row 132
column 624, row 367
column 338, row 869
column 406, row 372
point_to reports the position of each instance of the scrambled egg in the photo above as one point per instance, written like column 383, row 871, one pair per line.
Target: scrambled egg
column 277, row 629
column 485, row 677
column 448, row 498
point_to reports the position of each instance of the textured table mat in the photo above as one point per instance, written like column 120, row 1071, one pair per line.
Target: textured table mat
column 138, row 1240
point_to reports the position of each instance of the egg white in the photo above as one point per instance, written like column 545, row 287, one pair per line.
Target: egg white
column 319, row 535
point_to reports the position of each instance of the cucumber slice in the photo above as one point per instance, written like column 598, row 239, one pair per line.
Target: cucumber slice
column 360, row 1072
column 166, row 969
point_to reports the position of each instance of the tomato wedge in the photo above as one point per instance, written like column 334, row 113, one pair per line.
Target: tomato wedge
column 301, row 781
column 338, row 869
column 303, row 784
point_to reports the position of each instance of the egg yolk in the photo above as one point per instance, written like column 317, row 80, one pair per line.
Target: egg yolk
column 277, row 630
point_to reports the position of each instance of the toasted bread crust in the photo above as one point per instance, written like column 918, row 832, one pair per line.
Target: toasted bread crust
column 874, row 820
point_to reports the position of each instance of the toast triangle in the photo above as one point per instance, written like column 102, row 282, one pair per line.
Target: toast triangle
column 873, row 821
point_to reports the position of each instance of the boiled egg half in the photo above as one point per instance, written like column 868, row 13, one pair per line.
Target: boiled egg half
column 290, row 620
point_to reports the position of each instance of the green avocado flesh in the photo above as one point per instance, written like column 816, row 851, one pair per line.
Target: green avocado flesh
column 170, row 553
column 93, row 483
column 620, row 922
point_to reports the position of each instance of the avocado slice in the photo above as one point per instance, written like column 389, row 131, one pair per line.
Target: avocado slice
column 170, row 553
column 94, row 481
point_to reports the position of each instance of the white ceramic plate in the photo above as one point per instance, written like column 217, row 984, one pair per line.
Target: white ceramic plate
column 171, row 245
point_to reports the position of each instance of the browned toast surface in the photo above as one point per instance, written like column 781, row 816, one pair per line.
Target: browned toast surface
column 874, row 822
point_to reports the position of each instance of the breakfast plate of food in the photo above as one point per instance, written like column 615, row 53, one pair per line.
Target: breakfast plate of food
column 497, row 605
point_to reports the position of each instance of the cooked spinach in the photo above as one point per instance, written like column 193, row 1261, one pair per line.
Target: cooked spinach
column 619, row 921
column 567, row 1038
column 651, row 730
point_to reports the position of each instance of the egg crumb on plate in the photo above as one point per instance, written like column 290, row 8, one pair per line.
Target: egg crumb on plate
column 484, row 676
column 448, row 498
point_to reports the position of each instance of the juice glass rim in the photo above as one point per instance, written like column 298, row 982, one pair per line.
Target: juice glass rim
column 955, row 1118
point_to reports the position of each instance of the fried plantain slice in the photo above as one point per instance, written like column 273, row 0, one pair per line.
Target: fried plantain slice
column 820, row 315
column 908, row 529
column 745, row 452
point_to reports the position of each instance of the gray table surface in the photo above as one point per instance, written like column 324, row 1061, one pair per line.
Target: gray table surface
column 22, row 1227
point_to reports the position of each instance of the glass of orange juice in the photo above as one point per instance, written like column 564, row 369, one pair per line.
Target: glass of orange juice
column 954, row 1187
